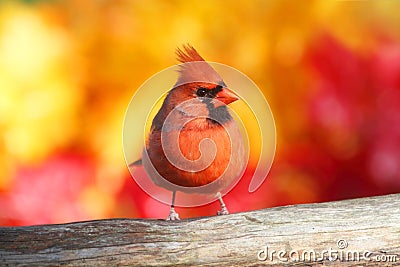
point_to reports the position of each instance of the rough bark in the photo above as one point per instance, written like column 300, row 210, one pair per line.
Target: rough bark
column 368, row 227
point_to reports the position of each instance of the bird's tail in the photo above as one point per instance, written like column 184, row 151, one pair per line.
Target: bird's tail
column 135, row 163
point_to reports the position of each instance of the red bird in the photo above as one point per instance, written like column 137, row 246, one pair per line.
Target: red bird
column 194, row 144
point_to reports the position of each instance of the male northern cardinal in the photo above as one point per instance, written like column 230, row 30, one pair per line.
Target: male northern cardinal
column 194, row 110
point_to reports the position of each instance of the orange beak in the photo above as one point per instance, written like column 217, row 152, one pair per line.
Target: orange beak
column 226, row 96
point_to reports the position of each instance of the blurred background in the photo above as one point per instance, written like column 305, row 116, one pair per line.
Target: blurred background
column 330, row 71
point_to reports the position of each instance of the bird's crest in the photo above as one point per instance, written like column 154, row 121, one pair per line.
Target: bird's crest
column 188, row 54
column 194, row 68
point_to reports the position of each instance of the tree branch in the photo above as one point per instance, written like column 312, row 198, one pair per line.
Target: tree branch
column 368, row 227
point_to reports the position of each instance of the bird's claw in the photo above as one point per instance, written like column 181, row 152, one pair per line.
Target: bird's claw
column 173, row 215
column 223, row 211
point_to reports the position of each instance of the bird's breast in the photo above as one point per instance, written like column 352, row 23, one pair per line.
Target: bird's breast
column 195, row 157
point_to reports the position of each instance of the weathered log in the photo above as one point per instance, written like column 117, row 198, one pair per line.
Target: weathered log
column 357, row 232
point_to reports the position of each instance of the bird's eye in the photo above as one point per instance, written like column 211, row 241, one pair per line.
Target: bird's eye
column 201, row 92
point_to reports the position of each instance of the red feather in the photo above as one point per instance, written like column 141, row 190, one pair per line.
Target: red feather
column 188, row 54
column 195, row 68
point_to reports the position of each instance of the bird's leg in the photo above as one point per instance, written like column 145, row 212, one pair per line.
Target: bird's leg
column 224, row 210
column 172, row 213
